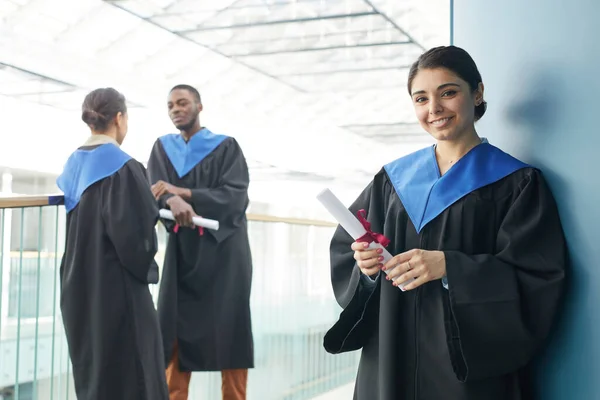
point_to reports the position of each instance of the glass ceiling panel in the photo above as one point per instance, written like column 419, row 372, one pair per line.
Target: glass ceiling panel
column 390, row 55
column 174, row 14
column 282, row 13
column 428, row 22
column 8, row 7
column 31, row 25
column 66, row 11
column 20, row 87
column 331, row 60
column 273, row 41
column 163, row 3
column 133, row 52
column 304, row 27
column 142, row 8
column 44, row 20
column 203, row 6
column 67, row 101
column 90, row 36
column 180, row 22
column 136, row 46
column 349, row 81
column 14, row 81
column 326, row 30
column 181, row 57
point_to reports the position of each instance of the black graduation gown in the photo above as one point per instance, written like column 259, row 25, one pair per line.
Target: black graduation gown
column 204, row 298
column 505, row 259
column 109, row 317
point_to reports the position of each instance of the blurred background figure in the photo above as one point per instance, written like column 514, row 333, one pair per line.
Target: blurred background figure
column 110, row 322
column 204, row 300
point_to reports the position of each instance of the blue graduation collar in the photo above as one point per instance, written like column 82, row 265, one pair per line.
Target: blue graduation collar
column 425, row 194
column 86, row 167
column 185, row 156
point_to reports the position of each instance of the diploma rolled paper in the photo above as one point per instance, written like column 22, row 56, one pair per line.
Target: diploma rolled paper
column 198, row 221
column 350, row 223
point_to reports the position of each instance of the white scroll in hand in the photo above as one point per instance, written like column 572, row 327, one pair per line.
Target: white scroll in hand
column 350, row 223
column 198, row 221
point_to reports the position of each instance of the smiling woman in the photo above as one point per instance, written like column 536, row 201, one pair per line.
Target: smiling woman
column 447, row 93
column 479, row 242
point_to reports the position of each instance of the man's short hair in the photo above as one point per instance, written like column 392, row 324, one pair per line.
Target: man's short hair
column 190, row 89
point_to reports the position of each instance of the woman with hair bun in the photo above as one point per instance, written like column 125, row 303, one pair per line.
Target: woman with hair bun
column 110, row 321
column 480, row 257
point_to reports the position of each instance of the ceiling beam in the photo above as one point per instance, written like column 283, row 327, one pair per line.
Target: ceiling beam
column 323, row 48
column 201, row 28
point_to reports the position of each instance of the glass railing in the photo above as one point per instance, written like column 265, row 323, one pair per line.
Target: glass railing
column 292, row 307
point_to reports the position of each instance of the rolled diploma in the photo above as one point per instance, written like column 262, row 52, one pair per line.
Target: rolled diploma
column 198, row 221
column 350, row 223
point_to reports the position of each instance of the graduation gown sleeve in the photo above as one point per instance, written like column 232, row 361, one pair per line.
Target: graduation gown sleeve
column 157, row 171
column 500, row 306
column 353, row 290
column 227, row 201
column 130, row 214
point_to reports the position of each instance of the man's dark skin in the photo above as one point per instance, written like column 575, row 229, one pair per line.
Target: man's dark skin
column 184, row 111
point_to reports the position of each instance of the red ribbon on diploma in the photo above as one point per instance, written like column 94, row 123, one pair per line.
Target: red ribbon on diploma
column 200, row 229
column 370, row 236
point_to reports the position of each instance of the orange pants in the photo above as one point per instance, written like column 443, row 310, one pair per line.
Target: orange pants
column 234, row 381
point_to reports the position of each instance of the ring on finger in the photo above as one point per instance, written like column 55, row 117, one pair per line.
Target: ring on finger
column 408, row 267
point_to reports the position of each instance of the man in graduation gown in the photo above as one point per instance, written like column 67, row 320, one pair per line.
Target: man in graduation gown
column 109, row 317
column 472, row 333
column 204, row 299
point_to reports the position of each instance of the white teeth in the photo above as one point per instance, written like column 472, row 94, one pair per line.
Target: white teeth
column 440, row 121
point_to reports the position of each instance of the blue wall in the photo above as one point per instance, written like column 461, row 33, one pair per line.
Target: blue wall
column 540, row 62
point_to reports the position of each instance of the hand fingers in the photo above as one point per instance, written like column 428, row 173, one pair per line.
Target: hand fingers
column 157, row 187
column 401, row 258
column 367, row 254
column 179, row 214
column 392, row 263
column 417, row 282
column 182, row 220
column 370, row 271
column 404, row 276
column 159, row 192
column 373, row 262
column 357, row 246
column 402, row 268
column 189, row 214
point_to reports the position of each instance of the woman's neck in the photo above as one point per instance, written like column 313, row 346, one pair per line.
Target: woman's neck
column 111, row 133
column 449, row 152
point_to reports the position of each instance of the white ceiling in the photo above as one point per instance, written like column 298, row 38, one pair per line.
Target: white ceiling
column 314, row 90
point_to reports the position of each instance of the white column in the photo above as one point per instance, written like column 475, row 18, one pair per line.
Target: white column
column 6, row 189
